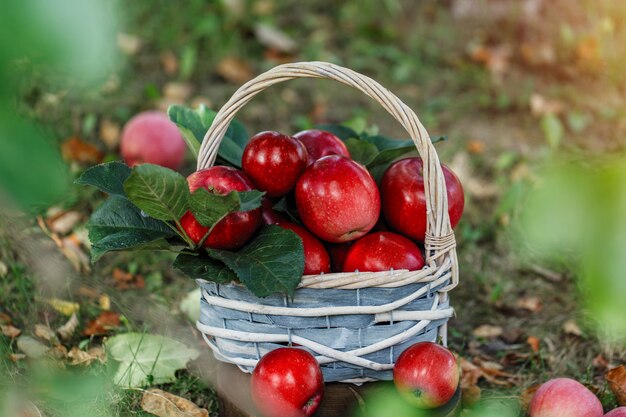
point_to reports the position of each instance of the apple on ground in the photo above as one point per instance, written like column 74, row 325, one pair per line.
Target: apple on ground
column 404, row 199
column 150, row 137
column 316, row 259
column 382, row 251
column 287, row 382
column 320, row 143
column 618, row 412
column 426, row 375
column 234, row 230
column 337, row 199
column 565, row 397
column 274, row 162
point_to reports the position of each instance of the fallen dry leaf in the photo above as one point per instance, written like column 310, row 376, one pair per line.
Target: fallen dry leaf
column 110, row 133
column 570, row 327
column 541, row 106
column 164, row 404
column 589, row 55
column 476, row 187
column 530, row 303
column 128, row 44
column 106, row 321
column 475, row 147
column 177, row 92
column 600, row 362
column 496, row 59
column 46, row 333
column 487, row 331
column 470, row 395
column 169, row 62
column 616, row 378
column 534, row 343
column 4, row 269
column 67, row 330
column 65, row 223
column 77, row 257
column 67, row 308
column 5, row 318
column 124, row 280
column 15, row 357
column 80, row 357
column 10, row 331
column 58, row 352
column 77, row 150
column 472, row 372
column 234, row 69
column 274, row 38
column 537, row 54
column 105, row 302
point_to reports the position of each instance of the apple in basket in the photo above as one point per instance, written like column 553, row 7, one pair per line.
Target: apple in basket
column 316, row 259
column 564, row 397
column 382, row 251
column 404, row 199
column 320, row 143
column 426, row 375
column 235, row 229
column 274, row 162
column 287, row 382
column 150, row 137
column 337, row 199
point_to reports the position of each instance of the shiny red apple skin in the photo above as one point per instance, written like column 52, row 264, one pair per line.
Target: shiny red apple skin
column 337, row 253
column 426, row 375
column 337, row 199
column 150, row 137
column 404, row 200
column 234, row 230
column 382, row 251
column 287, row 382
column 320, row 143
column 618, row 412
column 561, row 397
column 316, row 259
column 274, row 162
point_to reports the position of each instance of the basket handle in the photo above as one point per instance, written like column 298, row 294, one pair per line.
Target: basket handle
column 439, row 235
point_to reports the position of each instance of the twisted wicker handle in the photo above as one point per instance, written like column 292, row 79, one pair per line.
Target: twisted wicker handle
column 439, row 236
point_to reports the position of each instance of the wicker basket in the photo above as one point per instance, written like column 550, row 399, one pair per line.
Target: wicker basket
column 356, row 324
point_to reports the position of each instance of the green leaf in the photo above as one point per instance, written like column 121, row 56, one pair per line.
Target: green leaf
column 202, row 267
column 361, row 151
column 552, row 130
column 108, row 178
column 389, row 155
column 147, row 358
column 271, row 263
column 342, row 132
column 195, row 123
column 209, row 208
column 118, row 224
column 383, row 142
column 158, row 191
column 289, row 208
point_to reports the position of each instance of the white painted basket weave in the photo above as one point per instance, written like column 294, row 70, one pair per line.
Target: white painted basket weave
column 356, row 324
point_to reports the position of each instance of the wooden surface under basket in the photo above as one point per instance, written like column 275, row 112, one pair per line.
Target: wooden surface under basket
column 356, row 324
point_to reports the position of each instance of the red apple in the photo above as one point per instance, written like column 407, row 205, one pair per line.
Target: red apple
column 316, row 259
column 337, row 199
column 235, row 229
column 150, row 137
column 426, row 375
column 287, row 382
column 382, row 251
column 338, row 252
column 618, row 412
column 270, row 216
column 320, row 143
column 274, row 162
column 565, row 397
column 404, row 200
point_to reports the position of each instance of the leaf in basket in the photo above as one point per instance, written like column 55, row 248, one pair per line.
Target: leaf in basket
column 273, row 262
column 202, row 267
column 342, row 132
column 108, row 178
column 145, row 357
column 389, row 155
column 361, row 151
column 118, row 224
column 158, row 191
column 194, row 124
column 209, row 208
column 288, row 207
